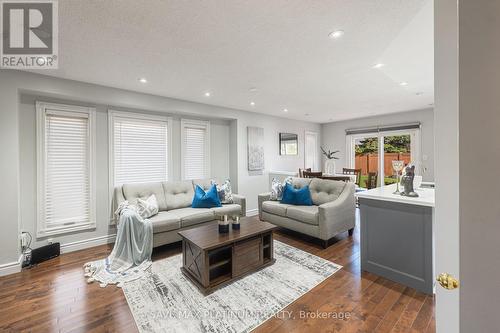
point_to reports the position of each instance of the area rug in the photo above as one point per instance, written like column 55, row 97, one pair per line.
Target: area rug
column 166, row 301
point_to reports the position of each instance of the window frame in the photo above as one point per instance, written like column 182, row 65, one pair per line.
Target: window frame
column 202, row 124
column 112, row 114
column 42, row 110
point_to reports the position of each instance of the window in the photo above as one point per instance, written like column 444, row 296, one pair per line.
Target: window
column 195, row 149
column 139, row 148
column 373, row 150
column 66, row 169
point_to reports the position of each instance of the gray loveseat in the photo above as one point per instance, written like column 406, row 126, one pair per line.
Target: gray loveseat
column 333, row 209
column 175, row 211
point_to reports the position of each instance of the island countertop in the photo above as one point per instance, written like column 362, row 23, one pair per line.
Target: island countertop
column 385, row 193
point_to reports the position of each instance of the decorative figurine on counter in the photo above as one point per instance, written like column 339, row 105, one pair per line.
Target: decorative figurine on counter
column 407, row 182
column 398, row 166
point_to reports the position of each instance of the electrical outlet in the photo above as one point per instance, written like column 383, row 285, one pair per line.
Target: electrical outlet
column 50, row 241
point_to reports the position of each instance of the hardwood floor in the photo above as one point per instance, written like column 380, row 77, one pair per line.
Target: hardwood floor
column 54, row 297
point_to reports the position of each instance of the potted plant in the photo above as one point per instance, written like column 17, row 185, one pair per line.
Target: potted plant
column 330, row 160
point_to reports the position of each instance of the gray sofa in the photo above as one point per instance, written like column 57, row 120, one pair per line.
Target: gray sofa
column 333, row 209
column 175, row 211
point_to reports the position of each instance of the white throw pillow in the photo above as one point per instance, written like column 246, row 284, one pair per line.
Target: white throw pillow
column 277, row 188
column 147, row 208
column 224, row 192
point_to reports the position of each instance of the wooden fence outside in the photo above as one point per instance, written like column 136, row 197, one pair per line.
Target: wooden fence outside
column 369, row 162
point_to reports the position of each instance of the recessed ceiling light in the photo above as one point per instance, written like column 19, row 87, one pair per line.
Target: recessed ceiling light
column 379, row 65
column 404, row 83
column 306, row 114
column 252, row 103
column 336, row 34
column 143, row 80
column 285, row 110
column 419, row 93
column 253, row 89
column 208, row 94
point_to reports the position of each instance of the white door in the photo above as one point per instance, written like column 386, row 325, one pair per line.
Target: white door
column 446, row 152
column 311, row 151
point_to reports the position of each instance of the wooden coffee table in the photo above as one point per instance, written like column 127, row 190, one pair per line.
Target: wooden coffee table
column 211, row 259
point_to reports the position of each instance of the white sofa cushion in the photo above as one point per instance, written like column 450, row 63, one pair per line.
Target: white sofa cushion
column 144, row 190
column 179, row 194
column 191, row 216
column 304, row 214
column 299, row 183
column 147, row 208
column 224, row 191
column 275, row 207
column 165, row 221
column 324, row 190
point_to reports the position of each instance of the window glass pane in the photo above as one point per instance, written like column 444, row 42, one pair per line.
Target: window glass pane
column 195, row 161
column 366, row 159
column 396, row 148
column 67, row 171
column 140, row 151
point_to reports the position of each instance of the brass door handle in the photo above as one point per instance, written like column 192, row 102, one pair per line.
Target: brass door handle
column 447, row 281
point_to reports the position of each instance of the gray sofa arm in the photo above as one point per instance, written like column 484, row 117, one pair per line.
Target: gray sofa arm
column 339, row 215
column 261, row 198
column 242, row 201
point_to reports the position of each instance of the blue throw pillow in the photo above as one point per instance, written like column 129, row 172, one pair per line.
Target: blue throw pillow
column 208, row 199
column 293, row 196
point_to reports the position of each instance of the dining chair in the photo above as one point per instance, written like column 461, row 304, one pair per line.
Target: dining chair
column 301, row 172
column 357, row 172
column 312, row 174
column 371, row 182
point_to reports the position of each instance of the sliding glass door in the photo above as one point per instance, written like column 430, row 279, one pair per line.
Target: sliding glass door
column 365, row 152
column 397, row 147
column 374, row 152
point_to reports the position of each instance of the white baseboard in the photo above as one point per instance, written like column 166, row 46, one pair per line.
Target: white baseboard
column 11, row 267
column 86, row 243
column 252, row 212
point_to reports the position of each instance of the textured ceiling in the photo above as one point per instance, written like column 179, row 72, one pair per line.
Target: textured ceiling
column 280, row 47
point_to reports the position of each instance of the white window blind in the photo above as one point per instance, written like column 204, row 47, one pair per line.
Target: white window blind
column 140, row 148
column 195, row 149
column 65, row 168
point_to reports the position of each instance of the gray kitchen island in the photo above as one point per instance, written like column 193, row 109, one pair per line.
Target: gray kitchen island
column 397, row 236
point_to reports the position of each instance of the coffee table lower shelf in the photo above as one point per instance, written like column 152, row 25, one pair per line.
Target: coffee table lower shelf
column 221, row 281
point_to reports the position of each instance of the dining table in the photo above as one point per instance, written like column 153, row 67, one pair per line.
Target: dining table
column 353, row 177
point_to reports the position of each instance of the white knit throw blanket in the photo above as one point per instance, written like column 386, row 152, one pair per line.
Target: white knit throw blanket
column 131, row 255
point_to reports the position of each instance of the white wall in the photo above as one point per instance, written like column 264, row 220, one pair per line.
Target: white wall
column 333, row 135
column 17, row 179
column 251, row 184
column 9, row 175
